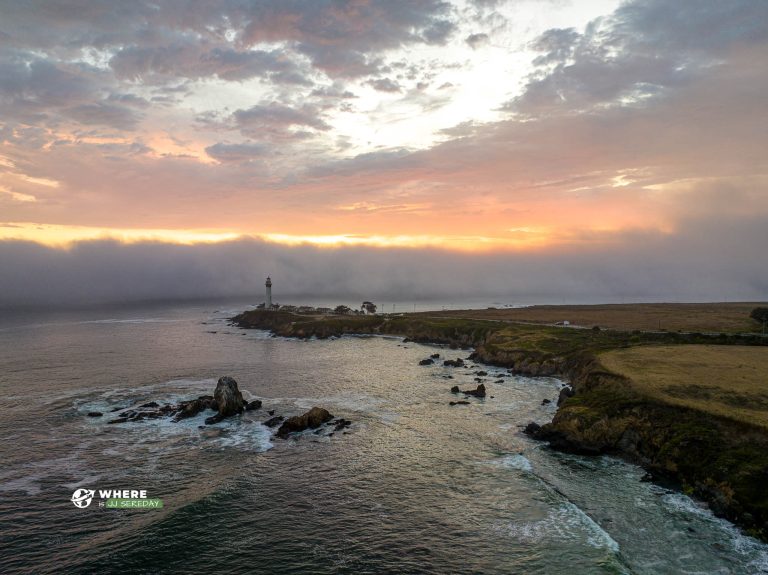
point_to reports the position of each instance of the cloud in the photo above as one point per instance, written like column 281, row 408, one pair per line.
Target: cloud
column 385, row 85
column 343, row 39
column 104, row 114
column 727, row 262
column 475, row 41
column 637, row 54
column 237, row 153
column 274, row 118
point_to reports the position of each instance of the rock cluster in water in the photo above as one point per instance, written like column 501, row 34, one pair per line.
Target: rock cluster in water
column 227, row 401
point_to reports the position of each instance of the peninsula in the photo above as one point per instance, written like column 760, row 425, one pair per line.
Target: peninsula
column 681, row 389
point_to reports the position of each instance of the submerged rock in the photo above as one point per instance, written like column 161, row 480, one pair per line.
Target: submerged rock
column 275, row 421
column 426, row 362
column 341, row 423
column 255, row 404
column 454, row 362
column 462, row 402
column 435, row 356
column 118, row 420
column 312, row 419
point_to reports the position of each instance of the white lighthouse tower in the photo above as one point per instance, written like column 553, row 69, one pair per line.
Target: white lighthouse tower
column 268, row 303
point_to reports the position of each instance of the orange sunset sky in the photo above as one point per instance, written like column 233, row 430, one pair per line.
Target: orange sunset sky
column 590, row 128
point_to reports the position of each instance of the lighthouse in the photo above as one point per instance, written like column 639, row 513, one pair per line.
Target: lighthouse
column 268, row 303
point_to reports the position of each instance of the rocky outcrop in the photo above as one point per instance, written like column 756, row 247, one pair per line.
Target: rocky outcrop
column 565, row 393
column 228, row 397
column 312, row 419
column 479, row 392
column 191, row 408
column 454, row 362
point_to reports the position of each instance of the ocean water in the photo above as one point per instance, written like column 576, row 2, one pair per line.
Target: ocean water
column 414, row 485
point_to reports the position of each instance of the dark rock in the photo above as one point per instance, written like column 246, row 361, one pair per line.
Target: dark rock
column 565, row 393
column 532, row 429
column 213, row 419
column 545, row 401
column 647, row 478
column 315, row 417
column 191, row 408
column 95, row 414
column 462, row 402
column 114, row 409
column 255, row 404
column 341, row 424
column 271, row 412
column 150, row 405
column 499, row 381
column 478, row 380
column 479, row 392
column 228, row 398
column 426, row 362
column 454, row 363
column 481, row 373
column 118, row 420
column 435, row 356
column 275, row 421
column 455, row 389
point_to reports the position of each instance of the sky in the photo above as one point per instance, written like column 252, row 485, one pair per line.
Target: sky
column 560, row 149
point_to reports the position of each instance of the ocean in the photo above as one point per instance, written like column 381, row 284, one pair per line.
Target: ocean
column 414, row 485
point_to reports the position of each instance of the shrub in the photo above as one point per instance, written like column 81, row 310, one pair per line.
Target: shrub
column 759, row 314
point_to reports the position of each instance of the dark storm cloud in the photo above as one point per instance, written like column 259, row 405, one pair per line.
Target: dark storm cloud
column 727, row 262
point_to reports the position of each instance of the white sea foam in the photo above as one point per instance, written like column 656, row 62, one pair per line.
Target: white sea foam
column 565, row 523
column 514, row 461
column 754, row 551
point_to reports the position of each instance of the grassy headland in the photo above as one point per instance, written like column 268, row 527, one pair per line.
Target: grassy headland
column 691, row 405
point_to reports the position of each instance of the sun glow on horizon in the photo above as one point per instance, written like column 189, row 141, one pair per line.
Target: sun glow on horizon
column 63, row 236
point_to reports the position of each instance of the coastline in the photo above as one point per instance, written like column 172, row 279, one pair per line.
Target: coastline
column 717, row 459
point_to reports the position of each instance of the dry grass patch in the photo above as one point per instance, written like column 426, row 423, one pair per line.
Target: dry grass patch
column 730, row 381
column 694, row 317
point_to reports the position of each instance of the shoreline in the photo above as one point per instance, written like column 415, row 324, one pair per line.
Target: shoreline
column 716, row 459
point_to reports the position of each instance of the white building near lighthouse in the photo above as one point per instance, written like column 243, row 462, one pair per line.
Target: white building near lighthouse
column 268, row 302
